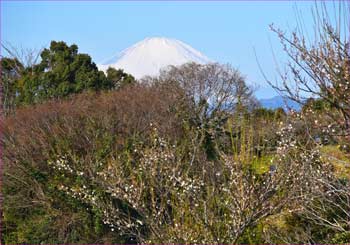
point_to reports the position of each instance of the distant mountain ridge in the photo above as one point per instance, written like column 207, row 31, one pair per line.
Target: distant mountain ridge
column 279, row 101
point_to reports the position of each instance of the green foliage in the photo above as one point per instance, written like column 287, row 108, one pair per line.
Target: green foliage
column 61, row 220
column 62, row 71
column 119, row 78
column 318, row 105
column 341, row 238
column 252, row 235
column 11, row 70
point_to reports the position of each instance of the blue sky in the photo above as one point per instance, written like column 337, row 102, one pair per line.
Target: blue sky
column 227, row 32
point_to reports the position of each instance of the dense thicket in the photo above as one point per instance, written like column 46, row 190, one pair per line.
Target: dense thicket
column 89, row 127
column 139, row 165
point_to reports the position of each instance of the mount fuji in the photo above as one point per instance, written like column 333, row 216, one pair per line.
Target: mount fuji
column 150, row 55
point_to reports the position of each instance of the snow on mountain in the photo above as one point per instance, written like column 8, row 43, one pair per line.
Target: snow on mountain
column 150, row 55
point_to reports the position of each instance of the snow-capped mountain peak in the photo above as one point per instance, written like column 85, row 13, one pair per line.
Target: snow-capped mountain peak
column 150, row 55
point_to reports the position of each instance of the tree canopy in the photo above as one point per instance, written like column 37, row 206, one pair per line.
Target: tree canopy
column 61, row 71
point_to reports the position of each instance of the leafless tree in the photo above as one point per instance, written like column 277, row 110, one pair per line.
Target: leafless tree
column 13, row 65
column 330, row 205
column 319, row 66
column 212, row 92
column 212, row 87
column 27, row 57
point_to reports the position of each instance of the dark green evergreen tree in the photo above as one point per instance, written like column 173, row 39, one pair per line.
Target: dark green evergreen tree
column 62, row 71
column 119, row 78
column 11, row 70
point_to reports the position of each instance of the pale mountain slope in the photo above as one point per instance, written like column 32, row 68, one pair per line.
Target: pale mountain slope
column 152, row 54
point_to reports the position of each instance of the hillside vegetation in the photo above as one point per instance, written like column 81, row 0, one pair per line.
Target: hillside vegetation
column 188, row 156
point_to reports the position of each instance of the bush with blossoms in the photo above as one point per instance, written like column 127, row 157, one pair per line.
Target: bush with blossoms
column 159, row 194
